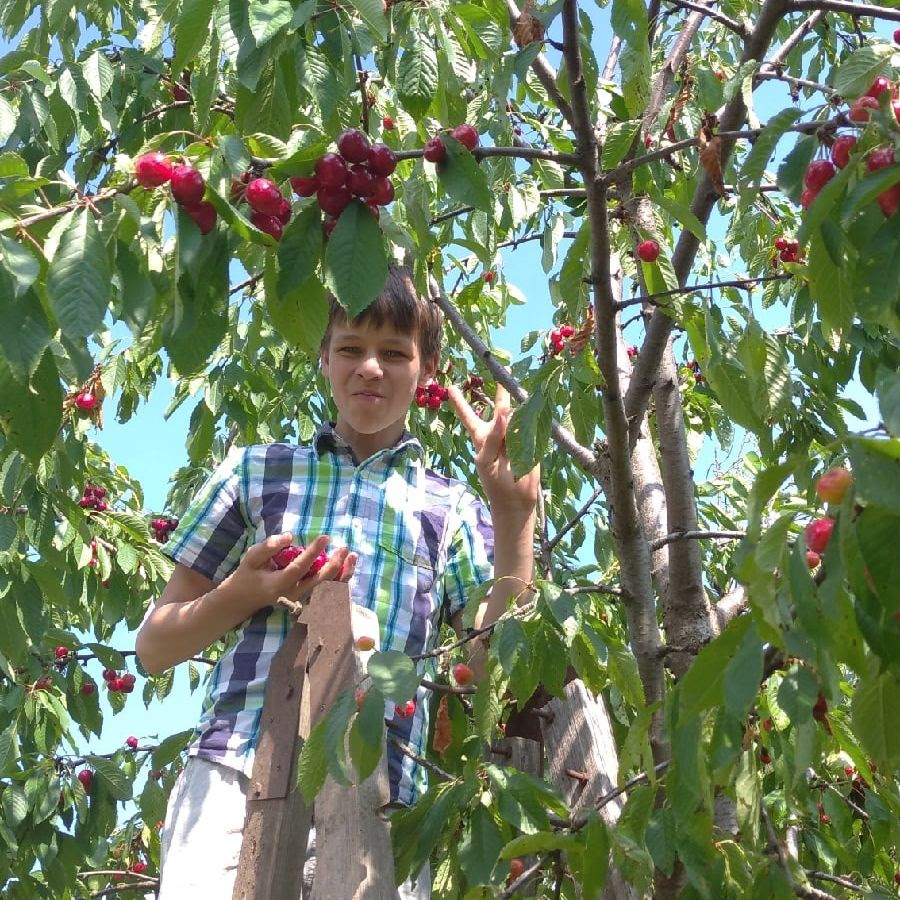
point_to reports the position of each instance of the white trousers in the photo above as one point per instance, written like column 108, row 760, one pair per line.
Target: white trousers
column 202, row 834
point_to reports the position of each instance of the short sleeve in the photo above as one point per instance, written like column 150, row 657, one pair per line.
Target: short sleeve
column 215, row 530
column 470, row 554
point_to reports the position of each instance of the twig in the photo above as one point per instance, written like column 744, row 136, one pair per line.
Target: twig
column 658, row 769
column 775, row 844
column 697, row 536
column 551, row 544
column 793, row 39
column 747, row 283
column 595, row 589
column 446, row 688
column 843, row 882
column 427, row 764
column 796, row 82
column 729, row 23
column 848, row 7
column 524, row 878
column 250, row 282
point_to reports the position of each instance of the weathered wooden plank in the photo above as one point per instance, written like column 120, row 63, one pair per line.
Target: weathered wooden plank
column 277, row 819
column 353, row 839
column 583, row 761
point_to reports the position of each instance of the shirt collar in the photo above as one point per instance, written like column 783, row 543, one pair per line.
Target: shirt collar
column 327, row 440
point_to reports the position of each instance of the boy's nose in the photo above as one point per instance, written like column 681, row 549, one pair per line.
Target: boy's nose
column 369, row 366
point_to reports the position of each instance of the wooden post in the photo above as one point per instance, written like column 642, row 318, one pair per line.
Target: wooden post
column 353, row 854
column 584, row 762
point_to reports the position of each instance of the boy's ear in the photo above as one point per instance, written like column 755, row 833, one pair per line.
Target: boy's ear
column 429, row 368
column 323, row 359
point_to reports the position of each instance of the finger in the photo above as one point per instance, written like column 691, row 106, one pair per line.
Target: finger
column 470, row 419
column 492, row 447
column 348, row 568
column 501, row 399
column 259, row 555
column 332, row 569
column 297, row 568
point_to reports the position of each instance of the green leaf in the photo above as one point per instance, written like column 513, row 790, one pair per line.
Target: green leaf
column 25, row 334
column 394, row 674
column 681, row 213
column 9, row 751
column 99, row 74
column 300, row 316
column 300, row 250
column 417, row 73
column 312, row 764
column 367, row 735
column 876, row 471
column 856, row 71
column 337, row 723
column 355, row 259
column 170, row 748
column 191, row 31
column 31, row 414
column 116, row 781
column 867, row 189
column 462, row 178
column 619, row 138
column 754, row 164
column 17, row 261
column 267, row 18
column 528, row 434
column 480, row 846
column 372, row 13
column 526, row 844
column 79, row 279
column 874, row 715
column 887, row 387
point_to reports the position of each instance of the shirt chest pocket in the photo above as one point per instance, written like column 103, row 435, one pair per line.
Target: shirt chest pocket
column 404, row 545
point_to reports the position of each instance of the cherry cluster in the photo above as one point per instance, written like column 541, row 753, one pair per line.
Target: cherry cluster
column 118, row 684
column 94, row 498
column 473, row 386
column 435, row 151
column 287, row 555
column 786, row 251
column 558, row 338
column 632, row 352
column 187, row 184
column 405, row 710
column 162, row 527
column 431, row 395
column 271, row 209
column 359, row 169
column 694, row 366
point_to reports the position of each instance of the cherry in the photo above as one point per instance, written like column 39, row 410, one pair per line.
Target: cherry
column 382, row 160
column 466, row 135
column 516, row 868
column 897, row 41
column 566, row 331
column 405, row 710
column 88, row 688
column 878, row 87
column 780, row 243
column 824, row 818
column 86, row 401
column 331, row 170
column 317, row 564
column 61, row 652
column 126, row 683
column 767, row 724
column 462, row 674
column 360, row 182
column 648, row 141
column 286, row 556
column 421, row 397
column 818, row 173
column 489, row 276
column 387, row 123
column 818, row 533
column 434, row 150
column 86, row 777
column 139, row 867
column 849, row 770
column 269, row 224
column 832, row 486
column 764, row 757
column 365, row 643
column 152, row 169
column 43, row 684
column 180, row 93
column 859, row 109
column 812, row 559
column 359, row 695
column 131, row 742
column 109, row 674
column 648, row 251
column 433, row 401
column 820, row 709
column 719, row 74
column 880, row 158
column 187, row 184
column 632, row 352
column 382, row 191
column 203, row 214
column 304, row 185
column 889, row 200
column 353, row 145
column 807, row 197
column 840, row 150
column 333, row 199
column 284, row 212
column 264, row 197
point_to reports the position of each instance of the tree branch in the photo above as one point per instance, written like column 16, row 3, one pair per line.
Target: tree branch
column 843, row 882
column 848, row 7
column 746, row 283
column 793, row 39
column 697, row 536
column 551, row 544
column 427, row 764
column 711, row 13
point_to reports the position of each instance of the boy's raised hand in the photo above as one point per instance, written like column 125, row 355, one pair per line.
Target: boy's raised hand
column 505, row 493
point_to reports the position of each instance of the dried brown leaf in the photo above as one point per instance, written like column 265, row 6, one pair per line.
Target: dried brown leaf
column 711, row 159
column 527, row 29
column 442, row 734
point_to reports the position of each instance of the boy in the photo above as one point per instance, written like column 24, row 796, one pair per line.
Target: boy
column 409, row 541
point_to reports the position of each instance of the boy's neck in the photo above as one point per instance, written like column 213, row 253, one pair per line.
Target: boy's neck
column 366, row 445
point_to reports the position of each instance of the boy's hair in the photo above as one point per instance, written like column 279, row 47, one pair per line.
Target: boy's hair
column 400, row 306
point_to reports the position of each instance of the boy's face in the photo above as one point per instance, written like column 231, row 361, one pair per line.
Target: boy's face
column 373, row 374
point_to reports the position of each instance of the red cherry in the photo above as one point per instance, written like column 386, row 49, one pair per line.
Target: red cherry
column 878, row 87
column 859, row 109
column 648, row 141
column 434, row 150
column 807, row 197
column 286, row 556
column 109, row 674
column 333, row 199
column 61, row 652
column 818, row 533
column 648, row 251
column 462, row 674
column 139, row 867
column 317, row 564
column 152, row 169
column 43, row 684
column 187, row 184
column 897, row 41
column 269, row 224
column 88, row 688
column 179, row 93
column 304, row 185
column 331, row 170
column 131, row 742
column 820, row 709
column 434, row 401
column 382, row 160
column 566, row 331
column 264, row 197
column 767, row 724
column 86, row 777
column 849, row 770
column 126, row 683
column 86, row 401
column 405, row 710
column 632, row 352
column 832, row 486
column 824, row 819
column 516, row 868
column 284, row 212
column 353, row 145
column 895, row 106
column 365, row 642
column 382, row 191
column 812, row 559
column 889, row 200
column 818, row 173
column 880, row 159
column 360, row 182
column 840, row 150
column 466, row 135
column 114, row 685
column 764, row 757
column 203, row 214
column 780, row 243
column 387, row 123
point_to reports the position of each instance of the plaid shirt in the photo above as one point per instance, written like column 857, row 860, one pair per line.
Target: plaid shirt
column 423, row 540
